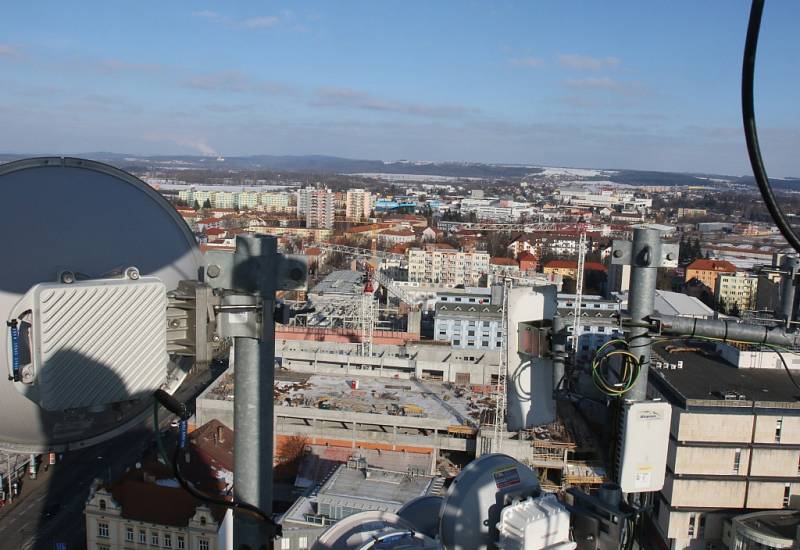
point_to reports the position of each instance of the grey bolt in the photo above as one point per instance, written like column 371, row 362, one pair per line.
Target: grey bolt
column 67, row 277
column 132, row 273
column 213, row 271
column 618, row 253
column 670, row 256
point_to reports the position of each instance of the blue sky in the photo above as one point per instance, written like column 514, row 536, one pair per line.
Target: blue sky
column 646, row 85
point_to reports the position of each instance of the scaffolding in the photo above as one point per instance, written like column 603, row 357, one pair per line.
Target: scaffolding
column 502, row 372
column 576, row 321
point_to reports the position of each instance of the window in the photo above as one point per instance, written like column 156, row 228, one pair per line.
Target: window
column 692, row 519
column 142, row 537
column 202, row 544
column 202, row 520
column 181, row 543
column 737, row 458
column 302, row 543
column 471, row 333
column 154, row 538
column 167, row 540
column 286, row 544
column 102, row 530
column 786, row 490
column 456, row 342
column 102, row 504
column 701, row 527
column 103, row 547
column 778, row 427
column 129, row 534
column 485, row 343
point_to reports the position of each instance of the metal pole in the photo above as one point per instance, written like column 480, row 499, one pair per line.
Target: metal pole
column 559, row 352
column 646, row 257
column 254, row 377
column 789, row 266
column 252, row 410
column 722, row 329
column 10, row 479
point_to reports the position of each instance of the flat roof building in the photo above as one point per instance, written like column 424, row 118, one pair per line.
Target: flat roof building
column 352, row 488
column 734, row 443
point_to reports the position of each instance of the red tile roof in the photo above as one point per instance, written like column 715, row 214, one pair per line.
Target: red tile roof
column 527, row 257
column 573, row 264
column 503, row 261
column 712, row 265
column 400, row 248
column 399, row 233
column 143, row 499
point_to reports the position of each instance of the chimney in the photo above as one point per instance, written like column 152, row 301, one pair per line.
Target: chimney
column 220, row 434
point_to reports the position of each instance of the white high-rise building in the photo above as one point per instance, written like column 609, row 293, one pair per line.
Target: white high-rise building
column 359, row 203
column 320, row 209
column 303, row 198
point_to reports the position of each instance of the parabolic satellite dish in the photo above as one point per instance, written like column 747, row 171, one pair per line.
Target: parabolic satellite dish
column 89, row 254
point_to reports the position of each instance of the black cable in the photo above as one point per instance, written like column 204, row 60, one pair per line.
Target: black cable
column 180, row 408
column 232, row 504
column 785, row 366
column 750, row 131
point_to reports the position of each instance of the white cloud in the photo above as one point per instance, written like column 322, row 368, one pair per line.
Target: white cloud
column 208, row 14
column 628, row 88
column 526, row 62
column 356, row 99
column 254, row 22
column 118, row 65
column 261, row 22
column 7, row 50
column 587, row 63
column 235, row 81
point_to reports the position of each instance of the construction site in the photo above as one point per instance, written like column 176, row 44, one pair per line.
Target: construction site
column 426, row 401
column 349, row 382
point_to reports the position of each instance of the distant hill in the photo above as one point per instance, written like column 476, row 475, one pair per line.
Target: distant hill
column 322, row 164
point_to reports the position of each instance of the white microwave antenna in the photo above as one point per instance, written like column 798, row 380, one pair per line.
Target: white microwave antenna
column 89, row 254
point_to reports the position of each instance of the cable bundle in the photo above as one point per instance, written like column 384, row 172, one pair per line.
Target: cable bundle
column 629, row 371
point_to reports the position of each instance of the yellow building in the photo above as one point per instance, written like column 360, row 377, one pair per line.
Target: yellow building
column 740, row 289
column 707, row 271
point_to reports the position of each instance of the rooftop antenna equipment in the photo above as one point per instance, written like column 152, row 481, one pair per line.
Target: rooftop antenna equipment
column 107, row 299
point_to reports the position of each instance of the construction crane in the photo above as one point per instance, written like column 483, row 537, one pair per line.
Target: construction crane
column 358, row 252
column 367, row 314
column 576, row 312
column 378, row 276
column 502, row 372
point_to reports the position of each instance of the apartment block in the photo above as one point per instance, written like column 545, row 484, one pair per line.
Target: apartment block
column 358, row 205
column 707, row 271
column 469, row 326
column 274, row 202
column 740, row 289
column 320, row 209
column 442, row 264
